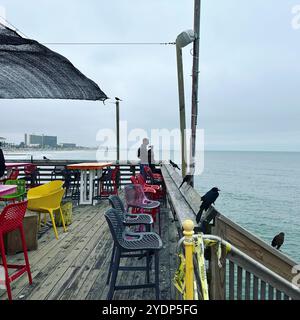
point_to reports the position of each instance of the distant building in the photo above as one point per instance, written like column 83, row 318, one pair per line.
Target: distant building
column 40, row 140
column 68, row 145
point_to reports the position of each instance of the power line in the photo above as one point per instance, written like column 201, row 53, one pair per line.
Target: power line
column 91, row 43
column 108, row 43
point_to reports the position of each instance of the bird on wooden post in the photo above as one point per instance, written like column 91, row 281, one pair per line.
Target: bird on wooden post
column 174, row 165
column 188, row 178
column 278, row 240
column 207, row 200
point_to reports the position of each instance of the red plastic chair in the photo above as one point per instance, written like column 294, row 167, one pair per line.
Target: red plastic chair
column 31, row 175
column 158, row 190
column 153, row 176
column 11, row 219
column 149, row 191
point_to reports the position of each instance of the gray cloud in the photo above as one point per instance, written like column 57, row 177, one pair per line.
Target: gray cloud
column 248, row 96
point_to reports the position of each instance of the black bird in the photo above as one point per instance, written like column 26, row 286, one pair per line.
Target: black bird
column 207, row 200
column 174, row 165
column 118, row 99
column 45, row 158
column 278, row 240
column 188, row 179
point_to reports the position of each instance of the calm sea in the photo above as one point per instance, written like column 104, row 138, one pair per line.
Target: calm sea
column 259, row 190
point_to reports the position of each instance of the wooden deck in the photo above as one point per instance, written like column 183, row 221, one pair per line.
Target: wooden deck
column 75, row 266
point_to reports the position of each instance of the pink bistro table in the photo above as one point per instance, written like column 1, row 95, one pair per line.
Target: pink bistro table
column 7, row 189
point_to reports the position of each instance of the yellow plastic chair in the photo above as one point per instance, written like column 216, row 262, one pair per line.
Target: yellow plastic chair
column 48, row 204
column 44, row 189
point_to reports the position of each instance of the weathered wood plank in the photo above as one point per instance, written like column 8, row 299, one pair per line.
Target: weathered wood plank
column 270, row 292
column 231, row 280
column 255, row 288
column 248, row 286
column 262, row 290
column 239, row 283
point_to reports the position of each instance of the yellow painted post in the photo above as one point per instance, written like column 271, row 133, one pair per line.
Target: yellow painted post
column 188, row 232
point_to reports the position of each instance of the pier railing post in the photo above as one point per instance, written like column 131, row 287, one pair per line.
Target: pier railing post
column 188, row 232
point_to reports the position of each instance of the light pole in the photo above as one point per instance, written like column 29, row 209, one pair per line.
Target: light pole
column 183, row 39
column 118, row 127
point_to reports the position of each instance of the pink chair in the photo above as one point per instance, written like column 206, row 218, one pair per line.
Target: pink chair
column 138, row 202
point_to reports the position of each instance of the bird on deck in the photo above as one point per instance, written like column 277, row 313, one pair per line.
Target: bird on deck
column 188, row 179
column 174, row 165
column 207, row 200
column 45, row 158
column 278, row 240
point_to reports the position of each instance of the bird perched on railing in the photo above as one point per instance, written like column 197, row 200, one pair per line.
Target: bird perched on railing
column 188, row 179
column 207, row 200
column 278, row 240
column 45, row 158
column 174, row 165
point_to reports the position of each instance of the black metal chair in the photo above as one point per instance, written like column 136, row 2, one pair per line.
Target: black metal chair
column 57, row 172
column 128, row 220
column 127, row 244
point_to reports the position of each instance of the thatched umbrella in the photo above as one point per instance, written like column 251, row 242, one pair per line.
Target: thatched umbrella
column 30, row 70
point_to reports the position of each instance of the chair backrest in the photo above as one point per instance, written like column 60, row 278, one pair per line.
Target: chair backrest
column 149, row 173
column 45, row 189
column 13, row 174
column 140, row 179
column 133, row 180
column 116, row 225
column 49, row 201
column 20, row 183
column 116, row 203
column 134, row 195
column 29, row 169
column 12, row 216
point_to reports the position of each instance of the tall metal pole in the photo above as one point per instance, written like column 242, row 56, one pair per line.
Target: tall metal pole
column 181, row 109
column 197, row 11
column 118, row 129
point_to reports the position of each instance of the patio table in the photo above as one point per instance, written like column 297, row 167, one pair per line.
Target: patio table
column 7, row 189
column 88, row 172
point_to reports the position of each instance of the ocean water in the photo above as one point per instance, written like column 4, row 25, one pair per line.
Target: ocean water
column 259, row 190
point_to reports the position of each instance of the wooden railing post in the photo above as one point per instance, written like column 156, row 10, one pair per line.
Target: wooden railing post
column 218, row 281
column 188, row 232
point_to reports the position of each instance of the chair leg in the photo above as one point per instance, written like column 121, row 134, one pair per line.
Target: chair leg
column 54, row 225
column 114, row 275
column 7, row 282
column 148, row 267
column 111, row 264
column 25, row 254
column 159, row 220
column 63, row 220
column 39, row 221
column 157, row 275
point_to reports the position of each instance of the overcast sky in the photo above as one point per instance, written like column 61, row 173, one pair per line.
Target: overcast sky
column 249, row 80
